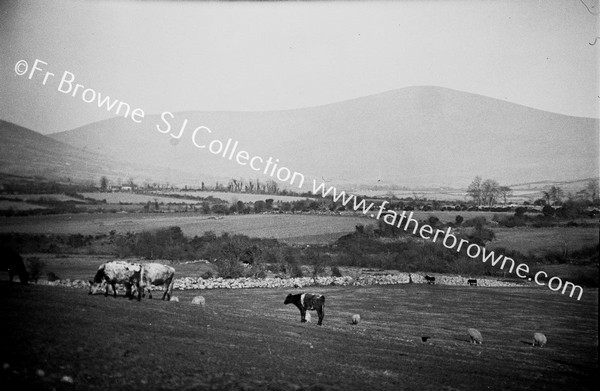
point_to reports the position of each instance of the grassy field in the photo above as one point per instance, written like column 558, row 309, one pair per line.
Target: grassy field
column 291, row 228
column 244, row 197
column 541, row 240
column 446, row 195
column 247, row 339
column 132, row 198
column 279, row 226
column 17, row 205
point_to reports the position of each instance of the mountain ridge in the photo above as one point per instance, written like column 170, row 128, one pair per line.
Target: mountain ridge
column 415, row 136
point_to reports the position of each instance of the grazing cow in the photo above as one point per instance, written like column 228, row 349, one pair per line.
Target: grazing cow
column 472, row 282
column 430, row 280
column 308, row 301
column 118, row 272
column 156, row 274
column 12, row 262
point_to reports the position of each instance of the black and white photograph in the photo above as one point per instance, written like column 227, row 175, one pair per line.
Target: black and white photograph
column 299, row 195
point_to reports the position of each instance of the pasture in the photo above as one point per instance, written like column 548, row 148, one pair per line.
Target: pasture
column 234, row 197
column 289, row 228
column 279, row 226
column 247, row 339
column 542, row 240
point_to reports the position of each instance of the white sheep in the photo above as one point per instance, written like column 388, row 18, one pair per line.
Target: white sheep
column 199, row 300
column 475, row 336
column 355, row 318
column 539, row 339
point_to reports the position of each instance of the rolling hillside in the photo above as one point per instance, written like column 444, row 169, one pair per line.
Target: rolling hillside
column 416, row 136
column 411, row 136
column 24, row 152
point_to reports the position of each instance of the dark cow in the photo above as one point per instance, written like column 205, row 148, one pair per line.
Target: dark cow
column 472, row 282
column 155, row 274
column 430, row 280
column 308, row 301
column 12, row 262
column 118, row 272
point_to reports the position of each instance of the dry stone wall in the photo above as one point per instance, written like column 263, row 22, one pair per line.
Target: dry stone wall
column 198, row 283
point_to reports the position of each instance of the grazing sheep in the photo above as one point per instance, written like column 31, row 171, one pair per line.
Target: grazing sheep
column 539, row 339
column 199, row 300
column 475, row 336
column 308, row 301
column 355, row 318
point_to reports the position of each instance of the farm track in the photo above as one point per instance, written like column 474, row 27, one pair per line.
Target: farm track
column 247, row 339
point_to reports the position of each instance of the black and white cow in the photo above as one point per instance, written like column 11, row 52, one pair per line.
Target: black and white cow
column 118, row 272
column 156, row 274
column 472, row 282
column 12, row 262
column 430, row 279
column 308, row 301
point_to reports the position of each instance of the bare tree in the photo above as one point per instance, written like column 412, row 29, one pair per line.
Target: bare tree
column 272, row 187
column 489, row 191
column 505, row 192
column 555, row 193
column 591, row 189
column 104, row 183
column 474, row 190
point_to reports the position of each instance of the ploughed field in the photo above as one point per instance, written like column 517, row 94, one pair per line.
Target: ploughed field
column 247, row 339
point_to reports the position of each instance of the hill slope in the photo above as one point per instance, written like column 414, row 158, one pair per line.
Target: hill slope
column 411, row 136
column 24, row 152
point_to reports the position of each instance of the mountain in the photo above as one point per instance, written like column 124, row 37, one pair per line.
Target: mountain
column 24, row 152
column 413, row 136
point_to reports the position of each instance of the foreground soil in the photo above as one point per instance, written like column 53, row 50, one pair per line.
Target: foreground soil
column 61, row 338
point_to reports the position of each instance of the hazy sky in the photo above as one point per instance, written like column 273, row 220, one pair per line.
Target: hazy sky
column 179, row 56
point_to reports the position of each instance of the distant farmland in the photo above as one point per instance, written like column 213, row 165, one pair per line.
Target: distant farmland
column 290, row 228
column 278, row 226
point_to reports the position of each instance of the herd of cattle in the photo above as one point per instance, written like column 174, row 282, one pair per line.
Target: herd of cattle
column 144, row 276
column 141, row 276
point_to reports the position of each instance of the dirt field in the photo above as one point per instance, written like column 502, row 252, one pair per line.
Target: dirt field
column 247, row 339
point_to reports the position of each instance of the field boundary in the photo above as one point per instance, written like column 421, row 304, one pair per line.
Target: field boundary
column 199, row 283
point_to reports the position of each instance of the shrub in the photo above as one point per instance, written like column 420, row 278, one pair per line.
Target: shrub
column 433, row 221
column 335, row 271
column 478, row 221
column 228, row 268
column 511, row 221
column 481, row 235
column 296, row 270
column 548, row 210
column 52, row 277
